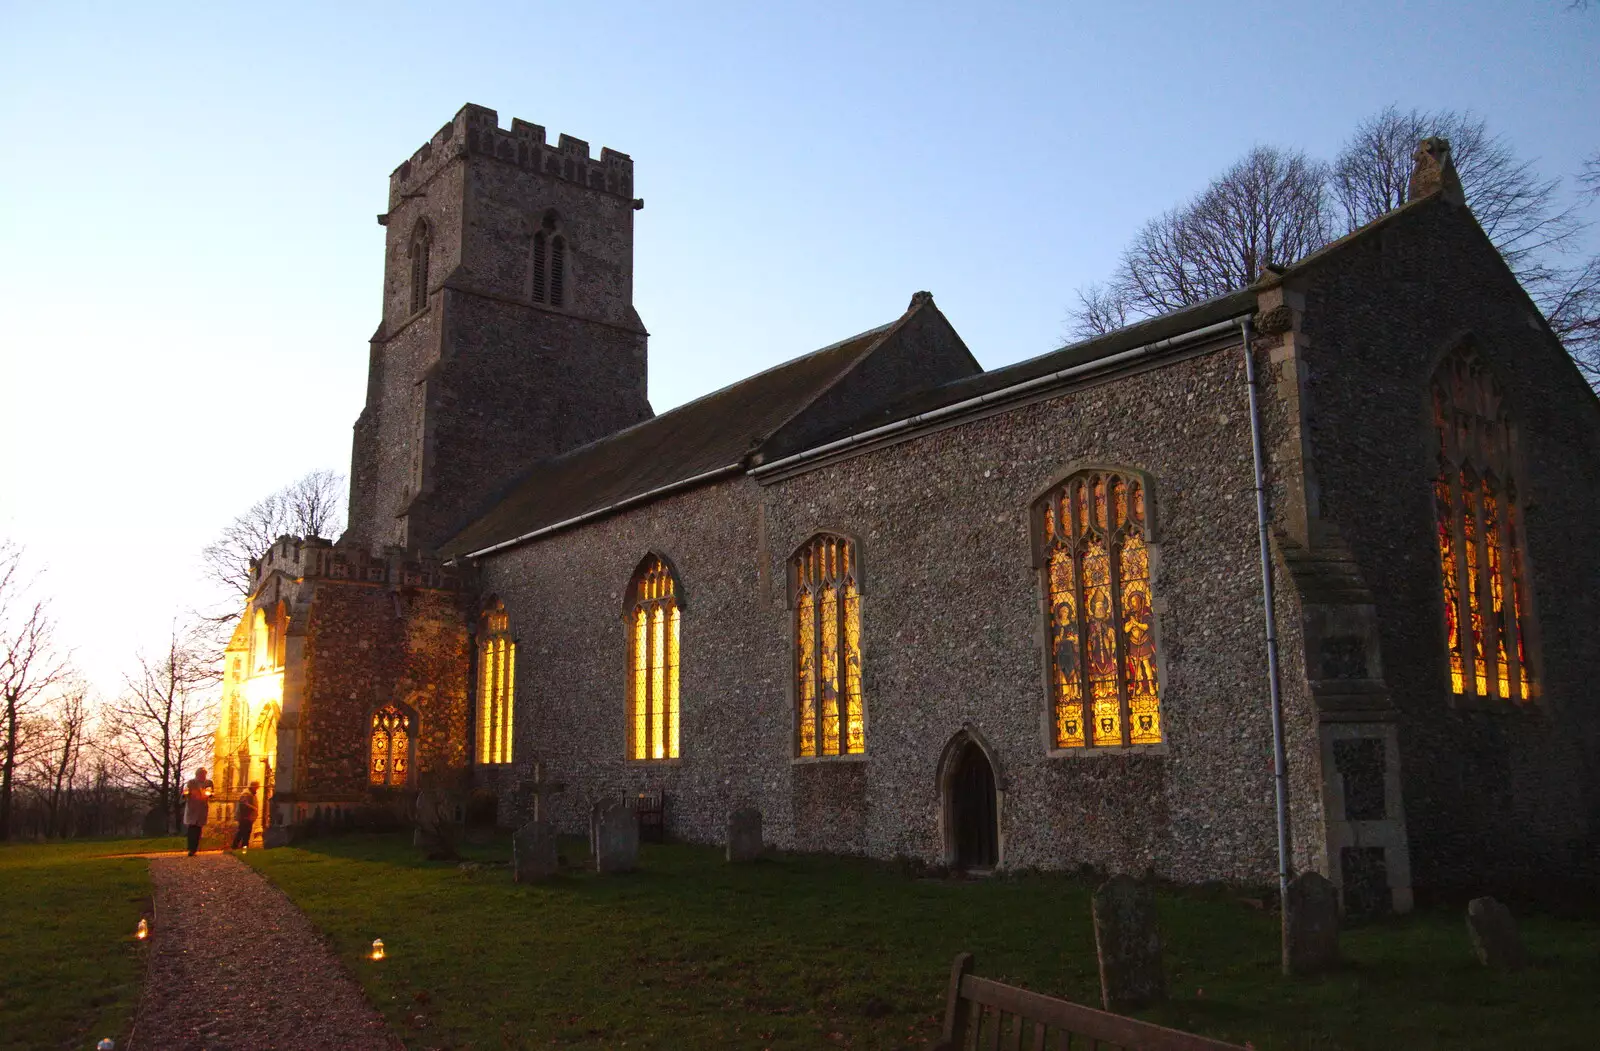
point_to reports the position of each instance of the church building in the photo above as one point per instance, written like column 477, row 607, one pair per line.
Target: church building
column 908, row 607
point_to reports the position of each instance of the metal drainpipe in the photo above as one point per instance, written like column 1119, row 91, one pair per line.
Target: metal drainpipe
column 1280, row 762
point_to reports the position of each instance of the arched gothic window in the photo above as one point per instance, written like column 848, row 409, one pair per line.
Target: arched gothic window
column 419, row 266
column 1478, row 530
column 497, row 670
column 392, row 731
column 653, row 617
column 1096, row 563
column 825, row 583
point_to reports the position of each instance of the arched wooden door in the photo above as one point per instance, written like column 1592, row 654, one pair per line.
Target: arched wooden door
column 974, row 830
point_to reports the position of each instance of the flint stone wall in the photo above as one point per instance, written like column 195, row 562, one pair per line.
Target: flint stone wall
column 1508, row 795
column 952, row 634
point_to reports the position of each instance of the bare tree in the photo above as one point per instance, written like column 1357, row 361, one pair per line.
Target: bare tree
column 68, row 723
column 1268, row 208
column 312, row 506
column 163, row 719
column 30, row 667
column 1519, row 210
column 1101, row 309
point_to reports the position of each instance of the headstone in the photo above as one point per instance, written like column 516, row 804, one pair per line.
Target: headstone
column 1128, row 945
column 616, row 840
column 155, row 822
column 539, row 788
column 1494, row 935
column 744, row 834
column 275, row 836
column 1311, row 925
column 533, row 852
column 600, row 807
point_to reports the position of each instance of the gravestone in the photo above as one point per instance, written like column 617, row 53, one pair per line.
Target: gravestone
column 1311, row 925
column 1128, row 945
column 1494, row 935
column 744, row 834
column 539, row 787
column 616, row 840
column 533, row 853
column 599, row 807
column 155, row 822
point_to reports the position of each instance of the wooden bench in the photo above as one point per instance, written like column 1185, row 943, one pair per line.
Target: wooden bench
column 981, row 1015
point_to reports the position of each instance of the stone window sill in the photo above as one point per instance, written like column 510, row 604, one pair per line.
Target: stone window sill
column 1162, row 749
column 806, row 760
column 655, row 762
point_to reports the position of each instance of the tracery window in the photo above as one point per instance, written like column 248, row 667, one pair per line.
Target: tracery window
column 549, row 262
column 1095, row 558
column 419, row 266
column 653, row 617
column 1478, row 533
column 390, row 763
column 497, row 669
column 825, row 582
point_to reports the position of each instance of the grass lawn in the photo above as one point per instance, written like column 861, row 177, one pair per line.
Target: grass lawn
column 70, row 970
column 807, row 952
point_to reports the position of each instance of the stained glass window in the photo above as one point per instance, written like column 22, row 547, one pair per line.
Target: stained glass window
column 1104, row 690
column 826, row 584
column 654, row 621
column 390, row 762
column 1477, row 519
column 497, row 674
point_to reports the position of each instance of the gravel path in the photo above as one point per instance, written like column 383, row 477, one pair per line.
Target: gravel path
column 236, row 967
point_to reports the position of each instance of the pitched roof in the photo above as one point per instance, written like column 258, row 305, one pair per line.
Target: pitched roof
column 726, row 428
column 716, row 431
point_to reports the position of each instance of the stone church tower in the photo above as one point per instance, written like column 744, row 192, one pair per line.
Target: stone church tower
column 508, row 330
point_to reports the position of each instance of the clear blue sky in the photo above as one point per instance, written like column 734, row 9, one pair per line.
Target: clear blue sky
column 191, row 263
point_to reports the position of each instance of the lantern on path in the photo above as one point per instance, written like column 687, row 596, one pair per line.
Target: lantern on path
column 107, row 1044
column 377, row 949
column 143, row 930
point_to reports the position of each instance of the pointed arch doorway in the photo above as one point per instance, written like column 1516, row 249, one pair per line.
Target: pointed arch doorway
column 971, row 805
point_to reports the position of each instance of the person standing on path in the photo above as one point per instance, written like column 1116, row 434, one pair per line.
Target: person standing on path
column 196, row 801
column 244, row 812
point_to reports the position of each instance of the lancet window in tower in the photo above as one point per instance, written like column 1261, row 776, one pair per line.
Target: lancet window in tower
column 1094, row 555
column 825, row 581
column 652, row 621
column 1478, row 523
column 497, row 670
column 389, row 764
column 558, row 270
column 541, row 247
column 419, row 266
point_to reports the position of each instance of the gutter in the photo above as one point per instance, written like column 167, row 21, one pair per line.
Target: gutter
column 1004, row 394
column 599, row 512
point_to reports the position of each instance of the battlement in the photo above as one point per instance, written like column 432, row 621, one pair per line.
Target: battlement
column 476, row 131
column 314, row 557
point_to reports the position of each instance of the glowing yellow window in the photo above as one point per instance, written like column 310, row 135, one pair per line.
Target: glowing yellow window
column 497, row 676
column 826, row 586
column 653, row 623
column 1478, row 518
column 390, row 747
column 1095, row 559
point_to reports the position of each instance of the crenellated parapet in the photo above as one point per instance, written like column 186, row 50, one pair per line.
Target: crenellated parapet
column 476, row 131
column 312, row 558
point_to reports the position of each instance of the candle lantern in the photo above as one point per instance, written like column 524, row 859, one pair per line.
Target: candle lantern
column 377, row 948
column 143, row 930
column 107, row 1044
